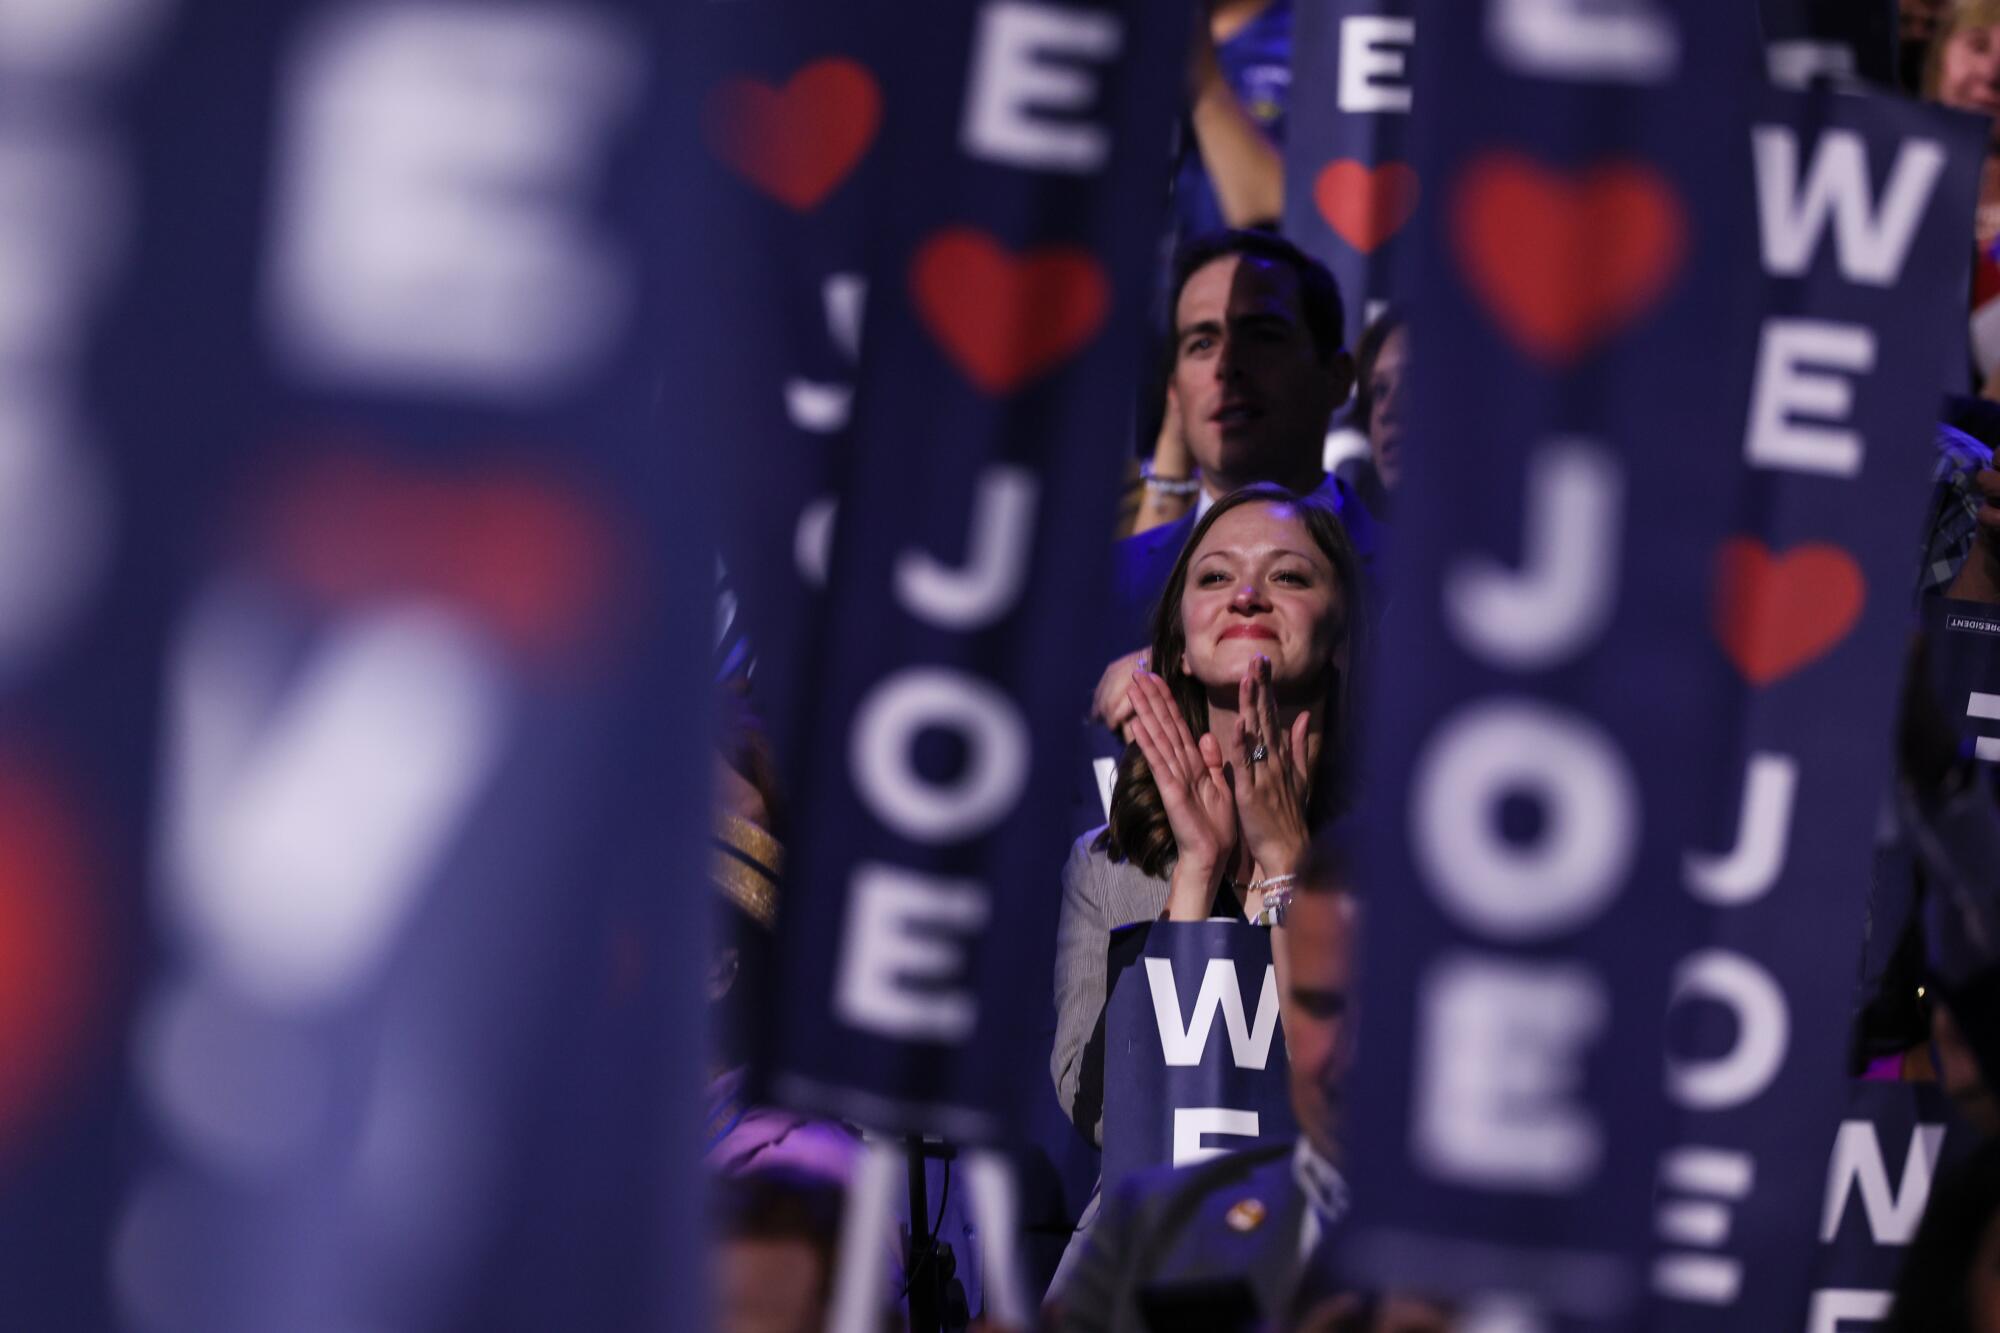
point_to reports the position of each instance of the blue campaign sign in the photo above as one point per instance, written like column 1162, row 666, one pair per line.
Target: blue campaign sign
column 1353, row 190
column 404, row 1001
column 792, row 118
column 1587, row 182
column 1893, row 1141
column 1194, row 1058
column 1020, row 144
column 1862, row 208
column 81, row 628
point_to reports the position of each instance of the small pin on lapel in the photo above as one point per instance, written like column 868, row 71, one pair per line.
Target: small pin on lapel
column 1246, row 1215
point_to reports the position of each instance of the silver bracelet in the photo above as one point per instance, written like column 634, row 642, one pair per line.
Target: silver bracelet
column 1277, row 901
column 1167, row 485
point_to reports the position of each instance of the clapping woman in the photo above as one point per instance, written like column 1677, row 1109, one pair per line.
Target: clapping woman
column 1238, row 756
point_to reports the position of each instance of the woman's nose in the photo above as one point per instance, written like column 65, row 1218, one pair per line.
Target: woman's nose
column 1249, row 594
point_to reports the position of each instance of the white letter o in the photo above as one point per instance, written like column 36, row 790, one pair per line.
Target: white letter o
column 887, row 724
column 1763, row 1031
column 1578, row 862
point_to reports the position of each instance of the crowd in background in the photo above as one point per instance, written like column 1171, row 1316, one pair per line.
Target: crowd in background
column 1254, row 557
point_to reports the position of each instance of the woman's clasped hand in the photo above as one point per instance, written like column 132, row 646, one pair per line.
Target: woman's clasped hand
column 1251, row 795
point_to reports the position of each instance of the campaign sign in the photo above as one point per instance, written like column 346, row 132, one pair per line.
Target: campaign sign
column 81, row 619
column 792, row 119
column 1862, row 209
column 1020, row 145
column 1194, row 1057
column 1807, row 40
column 1352, row 190
column 1893, row 1141
column 1585, row 317
column 418, row 1040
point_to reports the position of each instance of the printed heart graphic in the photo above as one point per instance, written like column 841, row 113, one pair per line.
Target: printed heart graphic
column 50, row 961
column 1563, row 262
column 1775, row 614
column 1366, row 207
column 1004, row 320
column 798, row 142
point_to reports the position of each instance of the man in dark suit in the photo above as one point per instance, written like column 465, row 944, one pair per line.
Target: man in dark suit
column 1229, row 1244
column 1258, row 371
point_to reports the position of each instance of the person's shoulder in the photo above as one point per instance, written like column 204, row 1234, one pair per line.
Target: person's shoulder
column 1142, row 547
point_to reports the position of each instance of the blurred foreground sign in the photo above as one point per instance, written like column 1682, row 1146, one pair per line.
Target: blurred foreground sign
column 403, row 982
column 1020, row 144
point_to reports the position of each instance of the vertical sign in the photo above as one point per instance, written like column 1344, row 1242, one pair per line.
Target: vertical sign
column 80, row 629
column 1352, row 191
column 419, row 1039
column 1863, row 206
column 1194, row 1065
column 1528, row 760
column 1023, row 140
column 792, row 121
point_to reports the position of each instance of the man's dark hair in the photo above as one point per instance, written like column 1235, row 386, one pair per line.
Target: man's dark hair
column 1319, row 294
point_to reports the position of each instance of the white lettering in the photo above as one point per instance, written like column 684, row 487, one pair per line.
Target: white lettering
column 812, row 543
column 1798, row 63
column 431, row 219
column 1763, row 829
column 817, row 406
column 1193, row 1124
column 1375, row 63
column 993, row 775
column 1249, row 1044
column 1566, row 590
column 1763, row 1031
column 1857, row 1164
column 1834, row 1308
column 905, row 940
column 1871, row 243
column 1013, row 80
column 1567, row 870
column 1623, row 41
column 1790, row 354
column 304, row 826
column 998, row 544
column 74, row 37
column 1501, row 1052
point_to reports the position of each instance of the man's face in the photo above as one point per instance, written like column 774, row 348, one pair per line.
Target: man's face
column 1314, row 952
column 1253, row 394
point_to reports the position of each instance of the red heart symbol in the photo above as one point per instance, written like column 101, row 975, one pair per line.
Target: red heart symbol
column 1366, row 207
column 1563, row 262
column 50, row 957
column 1774, row 614
column 1004, row 320
column 798, row 142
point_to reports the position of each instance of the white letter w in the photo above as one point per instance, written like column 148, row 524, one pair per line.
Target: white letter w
column 1249, row 1046
column 1872, row 243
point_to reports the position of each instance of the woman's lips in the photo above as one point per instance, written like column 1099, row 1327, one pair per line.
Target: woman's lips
column 1247, row 632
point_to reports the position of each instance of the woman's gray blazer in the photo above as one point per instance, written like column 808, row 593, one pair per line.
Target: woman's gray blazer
column 1099, row 895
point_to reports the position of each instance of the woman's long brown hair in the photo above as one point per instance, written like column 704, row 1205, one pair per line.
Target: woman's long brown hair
column 1138, row 830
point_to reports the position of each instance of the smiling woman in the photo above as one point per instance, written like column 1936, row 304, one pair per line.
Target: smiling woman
column 1238, row 753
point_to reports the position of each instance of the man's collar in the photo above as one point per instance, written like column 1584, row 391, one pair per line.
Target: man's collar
column 1203, row 501
column 1323, row 1185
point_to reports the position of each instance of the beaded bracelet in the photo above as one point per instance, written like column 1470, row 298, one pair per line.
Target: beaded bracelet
column 1167, row 485
column 1278, row 901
